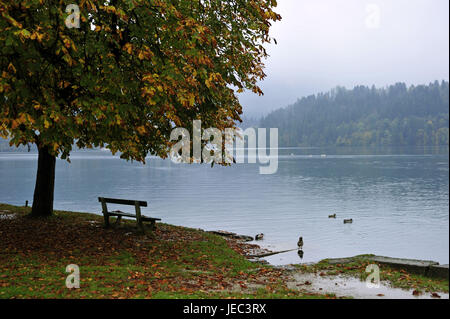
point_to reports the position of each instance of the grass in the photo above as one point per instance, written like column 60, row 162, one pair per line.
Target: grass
column 172, row 262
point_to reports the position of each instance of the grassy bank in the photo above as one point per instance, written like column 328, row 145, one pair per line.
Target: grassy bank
column 172, row 262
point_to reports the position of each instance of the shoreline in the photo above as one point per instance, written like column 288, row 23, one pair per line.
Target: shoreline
column 190, row 262
column 254, row 251
column 338, row 275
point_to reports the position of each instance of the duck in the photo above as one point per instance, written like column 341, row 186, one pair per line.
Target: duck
column 348, row 221
column 259, row 237
column 300, row 243
column 300, row 253
column 332, row 216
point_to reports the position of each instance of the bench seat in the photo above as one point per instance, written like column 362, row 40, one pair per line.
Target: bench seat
column 119, row 214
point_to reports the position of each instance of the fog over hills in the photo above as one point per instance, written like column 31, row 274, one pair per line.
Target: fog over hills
column 366, row 116
column 329, row 43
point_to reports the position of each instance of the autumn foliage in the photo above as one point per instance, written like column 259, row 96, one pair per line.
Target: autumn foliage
column 133, row 71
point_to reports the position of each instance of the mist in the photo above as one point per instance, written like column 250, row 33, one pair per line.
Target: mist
column 327, row 43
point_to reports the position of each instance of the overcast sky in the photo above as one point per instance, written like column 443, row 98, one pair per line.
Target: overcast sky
column 326, row 43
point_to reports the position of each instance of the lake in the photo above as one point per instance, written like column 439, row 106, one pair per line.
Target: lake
column 398, row 198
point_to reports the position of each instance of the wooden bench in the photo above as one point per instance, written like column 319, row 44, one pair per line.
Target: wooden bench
column 119, row 214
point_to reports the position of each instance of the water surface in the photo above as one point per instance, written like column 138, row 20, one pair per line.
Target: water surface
column 398, row 198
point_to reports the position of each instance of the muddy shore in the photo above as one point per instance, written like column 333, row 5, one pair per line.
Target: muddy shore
column 317, row 280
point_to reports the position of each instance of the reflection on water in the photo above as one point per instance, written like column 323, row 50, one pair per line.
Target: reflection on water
column 398, row 198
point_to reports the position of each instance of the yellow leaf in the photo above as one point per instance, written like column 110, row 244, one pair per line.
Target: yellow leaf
column 128, row 47
column 67, row 43
column 141, row 130
column 11, row 68
column 40, row 36
column 46, row 124
column 191, row 99
column 14, row 124
column 22, row 118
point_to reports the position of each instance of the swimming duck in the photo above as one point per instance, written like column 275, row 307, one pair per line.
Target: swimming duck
column 332, row 216
column 348, row 221
column 300, row 242
column 259, row 237
column 300, row 253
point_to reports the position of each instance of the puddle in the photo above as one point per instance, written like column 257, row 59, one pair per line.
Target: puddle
column 343, row 286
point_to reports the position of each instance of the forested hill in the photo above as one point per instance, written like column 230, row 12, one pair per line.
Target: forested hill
column 395, row 116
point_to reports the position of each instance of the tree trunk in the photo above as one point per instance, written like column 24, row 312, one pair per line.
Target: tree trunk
column 45, row 184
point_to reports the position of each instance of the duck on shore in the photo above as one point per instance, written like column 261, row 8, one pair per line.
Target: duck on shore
column 259, row 236
column 332, row 216
column 300, row 243
column 348, row 221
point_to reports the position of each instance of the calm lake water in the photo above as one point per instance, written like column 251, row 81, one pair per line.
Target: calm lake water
column 398, row 199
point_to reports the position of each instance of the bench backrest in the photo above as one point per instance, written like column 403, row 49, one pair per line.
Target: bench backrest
column 122, row 201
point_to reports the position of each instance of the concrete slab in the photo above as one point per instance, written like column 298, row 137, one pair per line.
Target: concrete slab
column 422, row 267
column 438, row 271
column 415, row 266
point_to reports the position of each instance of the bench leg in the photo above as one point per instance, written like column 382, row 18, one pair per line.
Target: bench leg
column 118, row 220
column 153, row 225
column 138, row 216
column 106, row 218
column 140, row 226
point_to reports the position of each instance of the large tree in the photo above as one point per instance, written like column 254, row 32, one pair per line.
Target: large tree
column 132, row 71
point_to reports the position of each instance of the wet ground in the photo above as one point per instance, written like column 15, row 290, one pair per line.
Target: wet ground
column 341, row 286
column 346, row 286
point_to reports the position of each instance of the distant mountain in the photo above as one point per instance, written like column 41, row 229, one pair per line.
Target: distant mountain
column 394, row 116
column 391, row 116
column 248, row 122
